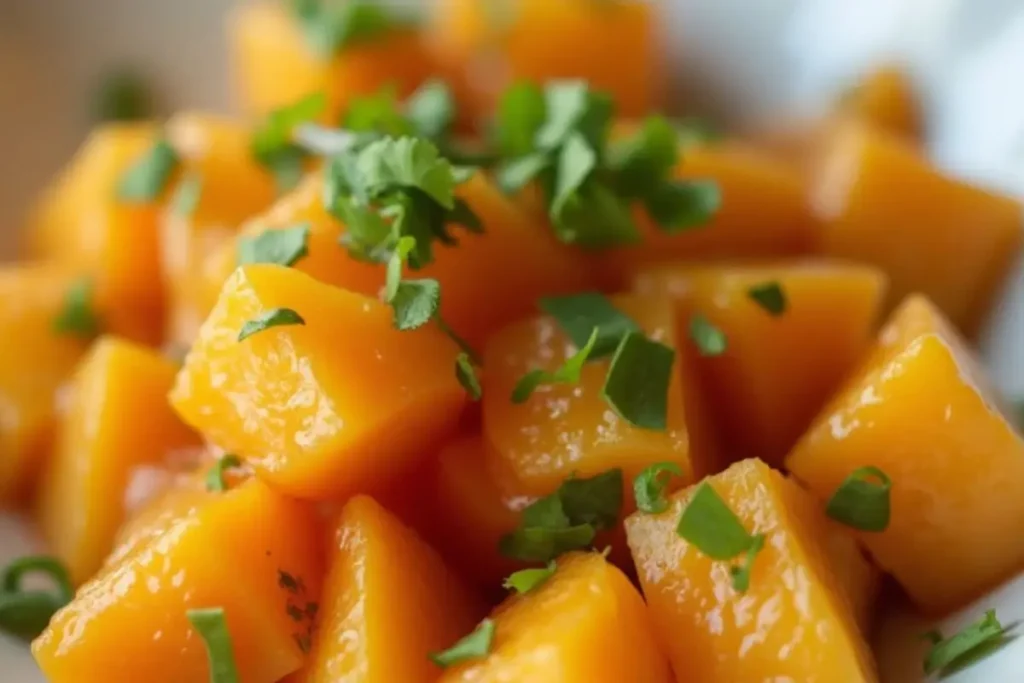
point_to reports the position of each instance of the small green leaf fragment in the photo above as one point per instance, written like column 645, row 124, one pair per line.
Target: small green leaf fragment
column 466, row 374
column 281, row 246
column 637, row 384
column 568, row 373
column 579, row 314
column 770, row 296
column 708, row 338
column 476, row 645
column 415, row 303
column 525, row 580
column 212, row 626
column 649, row 486
column 947, row 655
column 77, row 317
column 708, row 524
column 215, row 477
column 862, row 500
column 275, row 317
column 145, row 180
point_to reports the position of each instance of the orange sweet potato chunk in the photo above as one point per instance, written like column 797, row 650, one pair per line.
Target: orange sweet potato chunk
column 881, row 202
column 793, row 623
column 611, row 45
column 130, row 621
column 388, row 602
column 778, row 371
column 117, row 417
column 80, row 224
column 763, row 211
column 584, row 623
column 920, row 410
column 488, row 280
column 885, row 98
column 276, row 65
column 34, row 362
column 322, row 409
column 564, row 429
column 216, row 153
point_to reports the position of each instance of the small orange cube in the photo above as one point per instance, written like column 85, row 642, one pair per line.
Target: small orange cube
column 795, row 621
column 920, row 410
column 333, row 412
column 885, row 98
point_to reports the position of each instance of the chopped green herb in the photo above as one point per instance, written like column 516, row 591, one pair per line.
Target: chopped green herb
column 145, row 180
column 77, row 318
column 284, row 246
column 638, row 380
column 572, row 107
column 466, row 374
column 474, row 646
column 567, row 373
column 710, row 340
column 579, row 314
column 212, row 626
column 272, row 143
column 431, row 109
column 709, row 525
column 679, row 205
column 416, row 302
column 769, row 296
column 948, row 655
column 567, row 519
column 25, row 613
column 525, row 580
column 403, row 248
column 521, row 114
column 331, row 27
column 215, row 477
column 378, row 112
column 187, row 195
column 862, row 500
column 644, row 159
column 649, row 486
column 275, row 317
column 122, row 96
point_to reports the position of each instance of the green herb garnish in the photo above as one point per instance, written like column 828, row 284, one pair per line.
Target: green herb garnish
column 862, row 500
column 215, row 477
column 77, row 318
column 578, row 315
column 709, row 525
column 284, row 246
column 466, row 374
column 649, row 486
column 212, row 626
column 769, row 296
column 187, row 195
column 122, row 96
column 25, row 613
column 567, row 373
column 568, row 519
column 638, row 381
column 273, row 145
column 431, row 109
column 145, row 180
column 949, row 655
column 474, row 646
column 710, row 340
column 525, row 580
column 275, row 317
column 331, row 27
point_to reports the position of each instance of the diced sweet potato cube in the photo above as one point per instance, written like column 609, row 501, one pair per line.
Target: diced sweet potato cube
column 80, row 224
column 778, row 370
column 117, row 417
column 388, row 602
column 586, row 622
column 885, row 98
column 569, row 428
column 130, row 622
column 515, row 262
column 613, row 46
column 277, row 65
column 323, row 409
column 881, row 202
column 34, row 361
column 793, row 623
column 920, row 410
column 763, row 212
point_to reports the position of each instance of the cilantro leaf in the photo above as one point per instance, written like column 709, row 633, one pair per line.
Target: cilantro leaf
column 476, row 645
column 948, row 655
column 525, row 580
column 649, row 486
column 215, row 477
column 407, row 163
column 466, row 374
column 770, row 296
column 541, row 544
column 187, row 195
column 596, row 501
column 416, row 302
column 284, row 246
column 275, row 317
column 521, row 114
column 331, row 27
column 710, row 340
column 378, row 112
column 579, row 314
column 638, row 381
column 679, row 205
column 272, row 143
column 572, row 107
column 212, row 626
column 862, row 500
column 642, row 160
column 77, row 318
column 431, row 109
column 568, row 373
column 145, row 180
column 517, row 174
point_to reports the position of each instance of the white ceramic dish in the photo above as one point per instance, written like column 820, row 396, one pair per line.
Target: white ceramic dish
column 742, row 58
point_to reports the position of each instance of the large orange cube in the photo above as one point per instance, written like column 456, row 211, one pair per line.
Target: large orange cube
column 778, row 370
column 564, row 429
column 117, row 417
column 277, row 66
column 584, row 623
column 130, row 623
column 389, row 601
column 881, row 202
column 326, row 408
column 795, row 621
column 920, row 410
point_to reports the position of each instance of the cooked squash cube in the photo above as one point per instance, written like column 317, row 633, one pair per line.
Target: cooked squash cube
column 794, row 622
column 921, row 411
column 325, row 408
column 885, row 98
column 781, row 366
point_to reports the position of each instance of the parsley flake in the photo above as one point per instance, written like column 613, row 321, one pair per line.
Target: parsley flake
column 272, row 143
column 708, row 338
column 578, row 315
column 466, row 374
column 275, row 317
column 568, row 373
column 283, row 246
column 145, row 180
column 476, row 645
column 215, row 477
column 187, row 195
column 637, row 385
column 212, row 626
column 769, row 296
column 525, row 580
column 948, row 655
column 862, row 500
column 649, row 486
column 331, row 27
column 77, row 317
